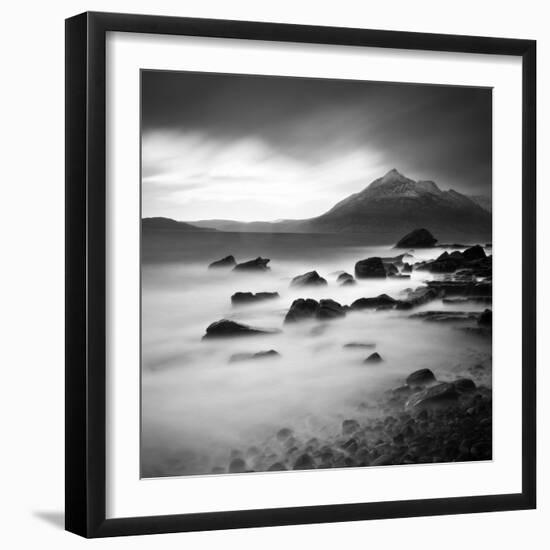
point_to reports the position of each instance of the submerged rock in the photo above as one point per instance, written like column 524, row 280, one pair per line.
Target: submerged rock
column 370, row 268
column 250, row 298
column 226, row 328
column 349, row 426
column 284, row 433
column 373, row 358
column 258, row 264
column 371, row 303
column 237, row 466
column 359, row 345
column 419, row 238
column 345, row 279
column 236, row 357
column 228, row 261
column 311, row 278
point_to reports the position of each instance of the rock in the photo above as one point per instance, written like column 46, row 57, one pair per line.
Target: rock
column 417, row 297
column 419, row 238
column 474, row 253
column 226, row 328
column 407, row 268
column 373, row 358
column 486, row 318
column 391, row 270
column 372, row 303
column 284, row 433
column 439, row 396
column 236, row 357
column 397, row 260
column 250, row 298
column 259, row 264
column 277, row 467
column 311, row 278
column 445, row 316
column 349, row 426
column 345, row 279
column 329, row 309
column 383, row 460
column 461, row 288
column 420, row 377
column 228, row 261
column 370, row 268
column 464, row 385
column 302, row 309
column 350, row 446
column 304, row 462
column 237, row 466
column 359, row 345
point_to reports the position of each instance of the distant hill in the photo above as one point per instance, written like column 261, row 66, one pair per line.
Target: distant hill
column 485, row 202
column 171, row 225
column 387, row 209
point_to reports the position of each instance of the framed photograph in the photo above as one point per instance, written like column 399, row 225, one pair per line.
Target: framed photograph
column 281, row 305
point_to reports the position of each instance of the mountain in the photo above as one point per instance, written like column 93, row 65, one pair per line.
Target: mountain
column 485, row 202
column 387, row 209
column 168, row 224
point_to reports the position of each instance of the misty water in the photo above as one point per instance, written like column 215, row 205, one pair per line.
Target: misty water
column 197, row 407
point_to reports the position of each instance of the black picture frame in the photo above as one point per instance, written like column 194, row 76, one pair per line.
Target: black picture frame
column 86, row 268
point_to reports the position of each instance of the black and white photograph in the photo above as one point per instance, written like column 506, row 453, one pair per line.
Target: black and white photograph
column 316, row 273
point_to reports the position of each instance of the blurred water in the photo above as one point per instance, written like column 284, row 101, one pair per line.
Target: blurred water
column 196, row 406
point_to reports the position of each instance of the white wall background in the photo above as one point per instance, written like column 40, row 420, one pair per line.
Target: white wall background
column 31, row 273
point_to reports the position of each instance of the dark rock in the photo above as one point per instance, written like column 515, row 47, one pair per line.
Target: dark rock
column 349, row 426
column 348, row 282
column 304, row 462
column 397, row 260
column 372, row 303
column 486, row 318
column 277, row 467
column 311, row 278
column 419, row 238
column 373, row 358
column 250, row 298
column 391, row 270
column 418, row 297
column 464, row 385
column 359, row 345
column 237, row 466
column 343, row 276
column 439, row 396
column 236, row 357
column 226, row 328
column 474, row 253
column 302, row 309
column 407, row 268
column 461, row 288
column 284, row 433
column 350, row 446
column 228, row 261
column 370, row 268
column 258, row 264
column 329, row 309
column 383, row 460
column 445, row 316
column 420, row 377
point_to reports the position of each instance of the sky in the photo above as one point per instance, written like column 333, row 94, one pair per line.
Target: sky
column 249, row 147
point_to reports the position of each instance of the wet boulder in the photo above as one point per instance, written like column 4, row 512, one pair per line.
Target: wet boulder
column 462, row 288
column 269, row 354
column 391, row 269
column 304, row 462
column 228, row 261
column 330, row 309
column 418, row 297
column 373, row 358
column 370, row 268
column 464, row 385
column 249, row 298
column 419, row 238
column 302, row 309
column 258, row 264
column 350, row 426
column 227, row 329
column 420, row 377
column 382, row 300
column 486, row 318
column 435, row 397
column 345, row 279
column 474, row 253
column 311, row 278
